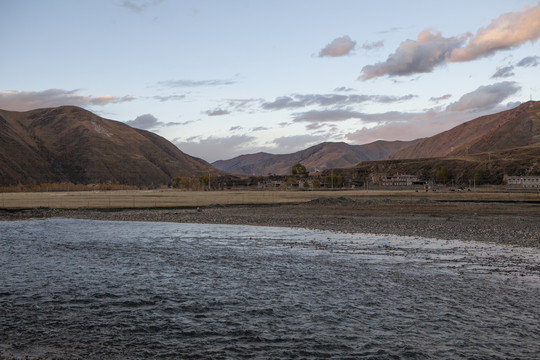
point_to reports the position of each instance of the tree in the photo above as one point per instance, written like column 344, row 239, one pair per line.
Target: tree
column 186, row 183
column 206, row 180
column 442, row 175
column 292, row 182
column 299, row 169
column 479, row 176
column 316, row 184
column 334, row 181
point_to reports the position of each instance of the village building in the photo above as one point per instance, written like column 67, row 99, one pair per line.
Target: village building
column 520, row 182
column 400, row 180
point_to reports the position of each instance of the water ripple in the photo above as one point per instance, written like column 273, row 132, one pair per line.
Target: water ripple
column 91, row 290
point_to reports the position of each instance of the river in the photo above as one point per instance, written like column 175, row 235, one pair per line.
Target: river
column 83, row 289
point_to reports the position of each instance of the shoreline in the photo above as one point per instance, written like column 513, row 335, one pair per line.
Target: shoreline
column 489, row 222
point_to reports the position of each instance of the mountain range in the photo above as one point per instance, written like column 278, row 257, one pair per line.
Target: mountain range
column 319, row 157
column 505, row 130
column 70, row 144
column 513, row 128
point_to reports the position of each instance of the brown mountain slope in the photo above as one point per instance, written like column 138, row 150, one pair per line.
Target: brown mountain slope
column 489, row 168
column 71, row 144
column 508, row 129
column 319, row 157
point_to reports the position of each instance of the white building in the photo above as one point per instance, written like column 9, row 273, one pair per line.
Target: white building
column 523, row 181
column 399, row 180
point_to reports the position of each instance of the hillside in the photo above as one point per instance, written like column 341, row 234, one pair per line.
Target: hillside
column 505, row 130
column 319, row 157
column 486, row 167
column 70, row 144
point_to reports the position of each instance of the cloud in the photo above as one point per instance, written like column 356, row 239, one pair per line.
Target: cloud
column 503, row 72
column 410, row 126
column 300, row 100
column 186, row 122
column 195, row 83
column 422, row 55
column 293, row 143
column 217, row 112
column 390, row 132
column 240, row 103
column 235, row 128
column 169, row 97
column 440, row 98
column 145, row 122
column 485, row 97
column 529, row 61
column 215, row 148
column 139, row 6
column 338, row 47
column 431, row 49
column 337, row 115
column 343, row 88
column 316, row 116
column 260, row 128
column 28, row 100
column 150, row 122
column 372, row 45
column 505, row 32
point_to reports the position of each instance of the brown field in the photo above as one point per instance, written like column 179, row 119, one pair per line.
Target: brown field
column 187, row 199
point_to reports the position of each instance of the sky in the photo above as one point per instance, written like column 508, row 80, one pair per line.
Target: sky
column 225, row 78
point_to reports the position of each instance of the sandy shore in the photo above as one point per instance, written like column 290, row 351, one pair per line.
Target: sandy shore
column 515, row 223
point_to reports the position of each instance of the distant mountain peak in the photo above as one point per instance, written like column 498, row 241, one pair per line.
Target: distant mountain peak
column 318, row 157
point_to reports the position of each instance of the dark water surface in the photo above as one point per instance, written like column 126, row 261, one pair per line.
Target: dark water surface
column 128, row 290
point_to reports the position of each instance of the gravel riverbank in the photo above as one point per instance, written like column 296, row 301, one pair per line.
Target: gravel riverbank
column 503, row 223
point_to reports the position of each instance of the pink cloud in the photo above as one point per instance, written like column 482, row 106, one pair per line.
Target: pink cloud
column 338, row 47
column 506, row 31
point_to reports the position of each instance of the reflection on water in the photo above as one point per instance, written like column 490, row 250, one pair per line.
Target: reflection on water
column 95, row 289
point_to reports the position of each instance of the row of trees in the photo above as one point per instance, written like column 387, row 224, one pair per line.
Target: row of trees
column 193, row 183
column 444, row 175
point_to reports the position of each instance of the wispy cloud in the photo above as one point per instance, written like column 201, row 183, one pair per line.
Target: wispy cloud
column 169, row 97
column 303, row 100
column 293, row 143
column 344, row 89
column 529, row 61
column 485, row 97
column 338, row 47
column 238, row 103
column 217, row 112
column 438, row 99
column 410, row 126
column 28, row 100
column 139, row 6
column 195, row 83
column 372, row 45
column 503, row 72
column 211, row 147
column 318, row 116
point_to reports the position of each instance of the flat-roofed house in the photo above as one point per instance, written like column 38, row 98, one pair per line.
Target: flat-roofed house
column 523, row 181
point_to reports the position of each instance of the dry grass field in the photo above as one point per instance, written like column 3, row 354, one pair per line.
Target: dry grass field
column 185, row 199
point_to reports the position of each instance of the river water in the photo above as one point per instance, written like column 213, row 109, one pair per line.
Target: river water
column 129, row 290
